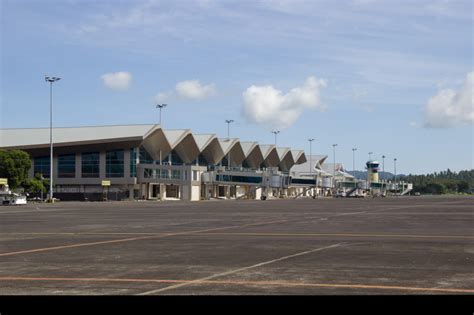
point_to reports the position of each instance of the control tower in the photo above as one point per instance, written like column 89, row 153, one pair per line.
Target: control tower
column 372, row 171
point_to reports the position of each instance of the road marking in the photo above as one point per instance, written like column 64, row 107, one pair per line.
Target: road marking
column 193, row 232
column 342, row 235
column 248, row 283
column 197, row 281
column 132, row 239
column 249, row 234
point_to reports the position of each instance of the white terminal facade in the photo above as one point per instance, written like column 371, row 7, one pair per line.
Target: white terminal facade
column 148, row 162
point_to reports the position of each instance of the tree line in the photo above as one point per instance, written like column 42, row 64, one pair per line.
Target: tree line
column 442, row 182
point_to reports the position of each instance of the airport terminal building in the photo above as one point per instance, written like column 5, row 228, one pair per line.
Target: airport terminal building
column 148, row 162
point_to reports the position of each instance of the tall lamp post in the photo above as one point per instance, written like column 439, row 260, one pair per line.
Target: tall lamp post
column 383, row 169
column 395, row 169
column 334, row 169
column 161, row 106
column 310, row 157
column 353, row 161
column 51, row 80
column 276, row 132
column 228, row 127
column 228, row 122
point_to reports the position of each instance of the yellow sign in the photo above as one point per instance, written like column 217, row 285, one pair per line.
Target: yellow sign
column 106, row 183
column 3, row 181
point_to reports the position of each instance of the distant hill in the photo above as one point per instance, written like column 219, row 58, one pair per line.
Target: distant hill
column 363, row 175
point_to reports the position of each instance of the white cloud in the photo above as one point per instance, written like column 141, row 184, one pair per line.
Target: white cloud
column 270, row 107
column 193, row 89
column 450, row 108
column 117, row 80
column 190, row 90
column 368, row 108
column 359, row 93
column 162, row 97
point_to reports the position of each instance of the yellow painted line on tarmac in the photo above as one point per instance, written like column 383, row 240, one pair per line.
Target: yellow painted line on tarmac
column 245, row 283
column 342, row 235
column 247, row 234
column 71, row 246
column 152, row 236
column 83, row 233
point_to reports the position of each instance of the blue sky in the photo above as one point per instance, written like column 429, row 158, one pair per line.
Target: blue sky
column 389, row 77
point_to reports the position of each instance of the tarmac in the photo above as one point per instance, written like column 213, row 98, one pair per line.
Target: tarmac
column 371, row 246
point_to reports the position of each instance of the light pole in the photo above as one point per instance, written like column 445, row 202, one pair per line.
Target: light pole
column 310, row 157
column 276, row 132
column 161, row 106
column 383, row 164
column 228, row 127
column 353, row 161
column 395, row 169
column 229, row 121
column 51, row 80
column 334, row 169
column 383, row 169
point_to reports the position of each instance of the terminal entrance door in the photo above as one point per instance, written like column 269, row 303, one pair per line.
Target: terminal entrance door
column 154, row 191
column 172, row 191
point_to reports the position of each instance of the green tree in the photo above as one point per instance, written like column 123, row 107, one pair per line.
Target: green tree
column 435, row 188
column 14, row 165
column 35, row 185
column 463, row 187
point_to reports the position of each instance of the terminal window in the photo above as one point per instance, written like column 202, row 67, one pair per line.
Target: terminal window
column 41, row 166
column 114, row 163
column 67, row 165
column 90, row 164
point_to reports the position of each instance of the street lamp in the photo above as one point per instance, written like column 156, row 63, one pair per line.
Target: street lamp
column 383, row 169
column 276, row 132
column 229, row 121
column 395, row 168
column 334, row 169
column 310, row 157
column 228, row 127
column 383, row 164
column 51, row 80
column 161, row 106
column 353, row 161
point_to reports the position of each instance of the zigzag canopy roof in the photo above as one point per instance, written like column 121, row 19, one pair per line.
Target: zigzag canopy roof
column 158, row 142
column 286, row 159
column 253, row 154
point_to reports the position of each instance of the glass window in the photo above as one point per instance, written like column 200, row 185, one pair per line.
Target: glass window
column 90, row 164
column 145, row 157
column 133, row 162
column 41, row 165
column 114, row 165
column 176, row 174
column 174, row 158
column 148, row 173
column 67, row 165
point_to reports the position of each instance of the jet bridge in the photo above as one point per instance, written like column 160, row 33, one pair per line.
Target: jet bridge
column 240, row 182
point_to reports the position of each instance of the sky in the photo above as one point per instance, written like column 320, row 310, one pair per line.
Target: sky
column 390, row 77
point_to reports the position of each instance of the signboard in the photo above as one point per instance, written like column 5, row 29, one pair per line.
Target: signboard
column 106, row 183
column 3, row 181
